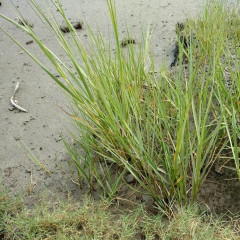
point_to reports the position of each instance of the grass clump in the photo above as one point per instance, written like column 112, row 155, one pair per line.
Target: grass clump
column 166, row 130
column 104, row 220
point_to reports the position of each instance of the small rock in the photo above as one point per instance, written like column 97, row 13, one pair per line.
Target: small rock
column 29, row 42
column 129, row 178
column 147, row 199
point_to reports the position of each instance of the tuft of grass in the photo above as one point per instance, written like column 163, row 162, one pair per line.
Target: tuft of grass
column 166, row 130
column 104, row 220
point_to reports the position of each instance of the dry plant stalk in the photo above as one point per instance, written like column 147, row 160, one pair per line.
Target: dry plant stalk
column 14, row 102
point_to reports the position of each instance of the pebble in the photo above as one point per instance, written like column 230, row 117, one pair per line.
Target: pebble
column 147, row 199
column 129, row 178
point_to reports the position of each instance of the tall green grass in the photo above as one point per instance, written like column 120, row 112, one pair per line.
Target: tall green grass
column 166, row 130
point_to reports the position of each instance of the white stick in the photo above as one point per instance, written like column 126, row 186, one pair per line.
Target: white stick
column 12, row 100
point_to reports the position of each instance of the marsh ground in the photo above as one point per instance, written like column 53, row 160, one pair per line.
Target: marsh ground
column 40, row 128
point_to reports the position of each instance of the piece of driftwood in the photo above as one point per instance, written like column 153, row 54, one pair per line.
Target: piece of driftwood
column 14, row 102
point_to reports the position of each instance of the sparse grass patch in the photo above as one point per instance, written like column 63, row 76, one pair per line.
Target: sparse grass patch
column 104, row 220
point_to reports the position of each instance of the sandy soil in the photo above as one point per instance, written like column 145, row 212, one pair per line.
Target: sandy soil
column 40, row 128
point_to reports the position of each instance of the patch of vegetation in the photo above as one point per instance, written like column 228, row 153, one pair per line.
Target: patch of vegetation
column 103, row 220
column 166, row 130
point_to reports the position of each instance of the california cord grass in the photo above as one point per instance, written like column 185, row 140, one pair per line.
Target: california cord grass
column 167, row 129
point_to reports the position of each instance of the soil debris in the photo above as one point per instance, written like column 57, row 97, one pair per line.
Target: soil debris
column 27, row 121
column 184, row 40
column 128, row 41
column 29, row 42
column 75, row 24
column 25, row 22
